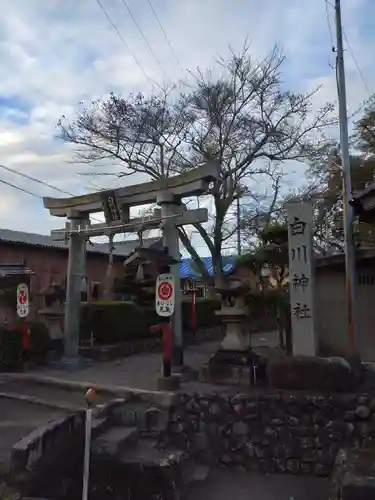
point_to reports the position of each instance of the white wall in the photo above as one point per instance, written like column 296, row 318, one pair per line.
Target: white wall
column 331, row 310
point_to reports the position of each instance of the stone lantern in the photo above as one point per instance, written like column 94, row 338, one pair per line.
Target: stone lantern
column 233, row 362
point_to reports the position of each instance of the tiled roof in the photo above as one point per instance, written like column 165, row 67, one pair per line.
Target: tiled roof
column 188, row 268
column 41, row 240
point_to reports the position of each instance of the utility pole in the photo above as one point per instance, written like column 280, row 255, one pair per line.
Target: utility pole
column 350, row 263
column 239, row 248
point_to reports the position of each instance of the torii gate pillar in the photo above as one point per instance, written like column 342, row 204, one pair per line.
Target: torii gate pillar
column 169, row 207
column 75, row 275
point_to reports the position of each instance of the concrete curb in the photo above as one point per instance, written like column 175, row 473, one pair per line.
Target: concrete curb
column 162, row 398
column 41, row 401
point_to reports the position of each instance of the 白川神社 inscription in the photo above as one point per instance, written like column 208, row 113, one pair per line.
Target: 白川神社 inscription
column 301, row 277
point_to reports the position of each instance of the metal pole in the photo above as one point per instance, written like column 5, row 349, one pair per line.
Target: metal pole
column 89, row 396
column 350, row 266
column 239, row 249
column 86, row 462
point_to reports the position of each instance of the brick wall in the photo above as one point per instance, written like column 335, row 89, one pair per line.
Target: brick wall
column 50, row 265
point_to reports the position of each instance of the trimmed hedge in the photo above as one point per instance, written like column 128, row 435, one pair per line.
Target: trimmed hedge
column 112, row 322
column 118, row 321
column 10, row 350
column 40, row 342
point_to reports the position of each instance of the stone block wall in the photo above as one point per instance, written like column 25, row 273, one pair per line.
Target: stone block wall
column 273, row 431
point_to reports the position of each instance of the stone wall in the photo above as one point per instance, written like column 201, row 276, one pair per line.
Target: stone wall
column 273, row 431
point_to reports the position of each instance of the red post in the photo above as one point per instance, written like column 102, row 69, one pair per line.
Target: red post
column 167, row 349
column 194, row 312
column 166, row 330
column 25, row 341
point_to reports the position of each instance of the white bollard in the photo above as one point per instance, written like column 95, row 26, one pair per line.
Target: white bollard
column 90, row 396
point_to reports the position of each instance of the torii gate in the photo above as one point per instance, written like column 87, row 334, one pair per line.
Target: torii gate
column 167, row 193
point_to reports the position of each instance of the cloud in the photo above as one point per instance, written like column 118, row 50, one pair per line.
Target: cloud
column 57, row 54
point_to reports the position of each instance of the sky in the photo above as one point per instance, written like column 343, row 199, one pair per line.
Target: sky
column 57, row 54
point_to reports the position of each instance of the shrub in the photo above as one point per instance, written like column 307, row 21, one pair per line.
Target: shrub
column 112, row 322
column 40, row 342
column 10, row 350
column 205, row 310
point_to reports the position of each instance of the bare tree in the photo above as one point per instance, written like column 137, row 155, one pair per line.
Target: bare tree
column 243, row 118
column 130, row 132
column 247, row 122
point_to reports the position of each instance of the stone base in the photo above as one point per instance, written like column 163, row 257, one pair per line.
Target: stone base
column 171, row 383
column 234, row 367
column 312, row 373
column 185, row 373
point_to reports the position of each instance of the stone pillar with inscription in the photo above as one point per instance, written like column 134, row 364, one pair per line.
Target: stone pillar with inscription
column 301, row 278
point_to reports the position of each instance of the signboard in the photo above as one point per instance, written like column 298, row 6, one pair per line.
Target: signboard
column 190, row 286
column 301, row 277
column 165, row 295
column 22, row 300
column 111, row 207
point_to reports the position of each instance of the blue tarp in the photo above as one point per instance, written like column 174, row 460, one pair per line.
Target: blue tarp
column 188, row 268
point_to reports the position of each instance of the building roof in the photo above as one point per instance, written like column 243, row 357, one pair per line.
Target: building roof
column 122, row 248
column 188, row 268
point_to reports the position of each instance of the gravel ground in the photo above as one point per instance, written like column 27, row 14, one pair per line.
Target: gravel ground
column 140, row 371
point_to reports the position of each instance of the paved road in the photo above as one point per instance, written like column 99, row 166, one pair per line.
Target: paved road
column 57, row 397
column 140, row 371
column 17, row 419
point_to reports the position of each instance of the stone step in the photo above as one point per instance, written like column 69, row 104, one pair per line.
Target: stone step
column 148, row 418
column 98, row 425
column 354, row 475
column 114, row 441
column 143, row 471
column 199, row 474
column 147, row 453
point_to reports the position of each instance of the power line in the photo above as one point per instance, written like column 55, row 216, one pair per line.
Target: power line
column 327, row 2
column 126, row 5
column 125, row 44
column 38, row 181
column 356, row 63
column 165, row 35
column 20, row 189
column 34, row 179
column 329, row 27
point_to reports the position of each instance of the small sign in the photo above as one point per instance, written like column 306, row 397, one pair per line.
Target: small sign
column 190, row 286
column 111, row 207
column 165, row 295
column 22, row 300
